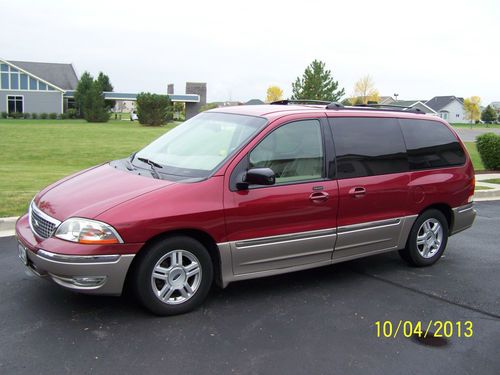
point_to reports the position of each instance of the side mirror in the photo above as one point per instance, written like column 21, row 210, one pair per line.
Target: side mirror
column 257, row 176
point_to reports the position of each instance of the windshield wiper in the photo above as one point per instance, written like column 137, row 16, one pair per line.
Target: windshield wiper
column 153, row 166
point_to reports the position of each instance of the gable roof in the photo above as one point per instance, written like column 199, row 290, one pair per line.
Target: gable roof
column 414, row 103
column 385, row 100
column 61, row 75
column 254, row 102
column 439, row 102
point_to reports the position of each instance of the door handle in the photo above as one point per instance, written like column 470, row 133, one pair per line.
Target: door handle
column 357, row 192
column 319, row 196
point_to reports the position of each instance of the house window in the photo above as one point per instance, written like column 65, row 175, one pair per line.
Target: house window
column 14, row 81
column 33, row 84
column 4, row 68
column 4, row 81
column 444, row 115
column 457, row 115
column 42, row 86
column 24, row 82
column 15, row 104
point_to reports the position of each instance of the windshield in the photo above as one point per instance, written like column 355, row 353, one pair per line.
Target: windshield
column 198, row 146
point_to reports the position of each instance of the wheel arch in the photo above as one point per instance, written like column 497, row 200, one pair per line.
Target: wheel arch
column 203, row 237
column 445, row 209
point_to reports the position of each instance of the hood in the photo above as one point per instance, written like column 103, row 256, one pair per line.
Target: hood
column 94, row 191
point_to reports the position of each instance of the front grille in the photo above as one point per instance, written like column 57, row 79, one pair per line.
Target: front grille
column 41, row 225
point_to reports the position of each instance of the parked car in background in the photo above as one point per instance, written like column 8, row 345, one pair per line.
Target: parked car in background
column 133, row 116
column 252, row 191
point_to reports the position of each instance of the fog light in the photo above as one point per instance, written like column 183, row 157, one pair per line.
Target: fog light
column 88, row 281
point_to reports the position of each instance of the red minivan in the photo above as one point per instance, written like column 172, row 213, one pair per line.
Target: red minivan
column 251, row 191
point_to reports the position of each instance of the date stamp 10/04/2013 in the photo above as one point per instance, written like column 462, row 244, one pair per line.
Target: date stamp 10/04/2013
column 436, row 328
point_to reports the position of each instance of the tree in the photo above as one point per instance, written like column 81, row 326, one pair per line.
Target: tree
column 83, row 87
column 154, row 109
column 274, row 93
column 472, row 109
column 106, row 85
column 94, row 106
column 489, row 115
column 317, row 84
column 365, row 91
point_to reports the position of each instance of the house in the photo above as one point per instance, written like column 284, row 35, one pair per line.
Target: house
column 420, row 104
column 496, row 106
column 449, row 108
column 386, row 100
column 254, row 102
column 35, row 87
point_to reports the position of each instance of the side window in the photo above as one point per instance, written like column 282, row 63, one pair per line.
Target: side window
column 368, row 147
column 293, row 151
column 431, row 145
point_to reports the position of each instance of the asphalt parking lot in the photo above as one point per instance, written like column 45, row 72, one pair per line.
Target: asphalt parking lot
column 313, row 322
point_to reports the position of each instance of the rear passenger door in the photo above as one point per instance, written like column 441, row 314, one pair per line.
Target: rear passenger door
column 373, row 179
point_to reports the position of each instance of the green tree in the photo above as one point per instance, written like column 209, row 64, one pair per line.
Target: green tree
column 83, row 87
column 489, row 115
column 106, row 85
column 153, row 109
column 317, row 83
column 94, row 106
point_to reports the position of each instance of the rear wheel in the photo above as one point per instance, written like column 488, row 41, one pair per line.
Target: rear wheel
column 173, row 276
column 428, row 239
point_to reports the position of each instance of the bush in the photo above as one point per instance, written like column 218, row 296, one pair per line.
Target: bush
column 53, row 116
column 94, row 106
column 26, row 116
column 63, row 116
column 34, row 115
column 71, row 113
column 489, row 115
column 4, row 115
column 16, row 115
column 153, row 109
column 488, row 146
column 44, row 116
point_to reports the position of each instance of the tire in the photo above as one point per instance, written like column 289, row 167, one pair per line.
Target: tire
column 173, row 276
column 431, row 232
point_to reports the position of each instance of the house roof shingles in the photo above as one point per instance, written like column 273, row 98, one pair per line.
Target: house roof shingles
column 60, row 75
column 439, row 102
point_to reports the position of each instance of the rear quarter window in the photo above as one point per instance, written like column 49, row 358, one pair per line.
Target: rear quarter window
column 431, row 144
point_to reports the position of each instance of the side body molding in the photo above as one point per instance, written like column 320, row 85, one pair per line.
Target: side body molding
column 268, row 256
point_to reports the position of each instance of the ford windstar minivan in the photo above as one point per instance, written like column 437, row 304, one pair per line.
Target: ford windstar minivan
column 251, row 191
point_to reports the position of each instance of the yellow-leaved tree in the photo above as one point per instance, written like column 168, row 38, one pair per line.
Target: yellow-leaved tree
column 472, row 108
column 274, row 93
column 365, row 92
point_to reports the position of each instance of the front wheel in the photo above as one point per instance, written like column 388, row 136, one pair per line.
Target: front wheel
column 427, row 240
column 173, row 276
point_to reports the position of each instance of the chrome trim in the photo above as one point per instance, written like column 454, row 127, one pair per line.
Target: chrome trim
column 33, row 208
column 77, row 258
column 283, row 238
column 368, row 225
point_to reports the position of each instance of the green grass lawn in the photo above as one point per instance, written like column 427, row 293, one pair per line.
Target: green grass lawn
column 476, row 126
column 474, row 155
column 35, row 153
column 493, row 181
column 482, row 188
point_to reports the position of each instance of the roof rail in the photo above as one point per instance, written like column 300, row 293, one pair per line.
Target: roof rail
column 300, row 101
column 378, row 107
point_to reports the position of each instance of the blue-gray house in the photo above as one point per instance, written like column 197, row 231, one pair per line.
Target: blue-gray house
column 35, row 87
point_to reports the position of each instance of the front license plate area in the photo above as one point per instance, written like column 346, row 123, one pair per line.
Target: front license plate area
column 22, row 254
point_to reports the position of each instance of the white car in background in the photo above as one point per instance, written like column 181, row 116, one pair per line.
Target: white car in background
column 133, row 116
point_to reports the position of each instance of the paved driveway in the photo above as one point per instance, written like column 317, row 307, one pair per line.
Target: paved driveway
column 313, row 322
column 469, row 135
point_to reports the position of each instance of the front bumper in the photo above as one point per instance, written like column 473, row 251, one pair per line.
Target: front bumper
column 81, row 268
column 463, row 217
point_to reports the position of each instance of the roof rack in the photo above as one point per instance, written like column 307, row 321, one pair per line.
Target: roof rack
column 378, row 107
column 300, row 101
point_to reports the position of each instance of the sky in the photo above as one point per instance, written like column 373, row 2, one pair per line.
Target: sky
column 417, row 49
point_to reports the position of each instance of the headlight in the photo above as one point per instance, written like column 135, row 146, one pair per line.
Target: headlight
column 87, row 232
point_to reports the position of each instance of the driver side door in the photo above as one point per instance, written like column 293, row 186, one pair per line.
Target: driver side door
column 291, row 224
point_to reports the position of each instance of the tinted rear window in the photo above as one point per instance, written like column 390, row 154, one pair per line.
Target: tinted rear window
column 431, row 144
column 368, row 147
